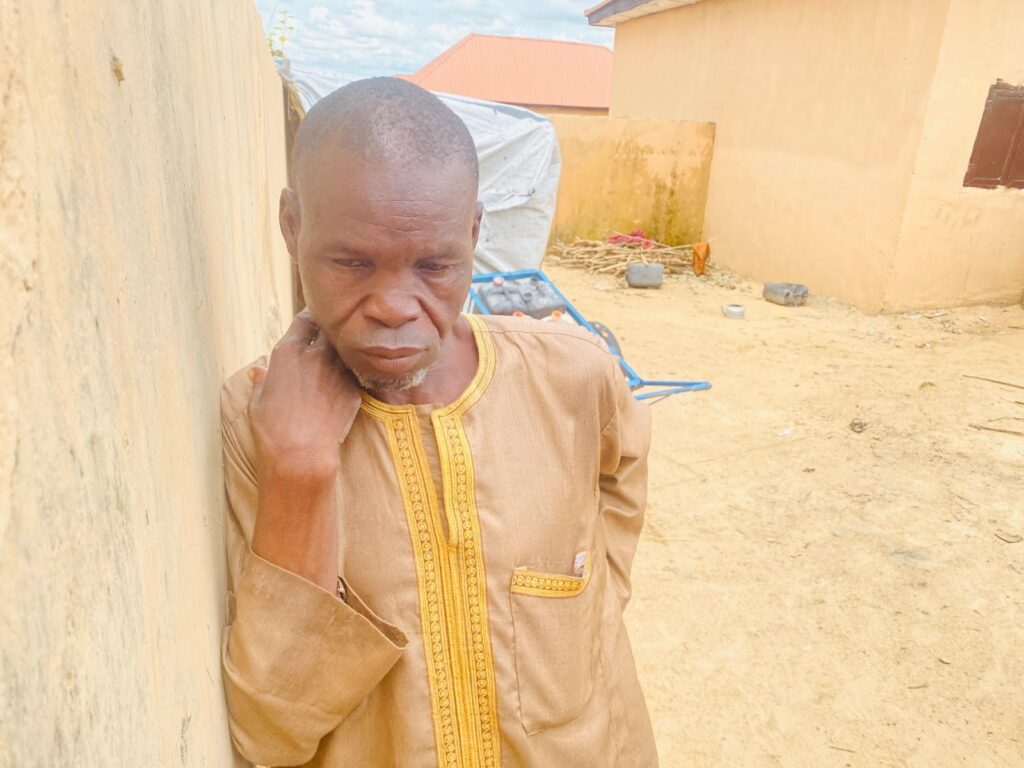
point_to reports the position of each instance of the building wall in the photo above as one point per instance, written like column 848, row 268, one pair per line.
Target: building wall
column 819, row 109
column 621, row 174
column 141, row 155
column 960, row 245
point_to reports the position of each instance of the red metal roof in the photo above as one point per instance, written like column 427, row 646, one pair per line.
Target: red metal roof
column 522, row 70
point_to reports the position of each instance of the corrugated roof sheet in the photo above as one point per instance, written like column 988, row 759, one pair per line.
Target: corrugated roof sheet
column 522, row 70
column 611, row 12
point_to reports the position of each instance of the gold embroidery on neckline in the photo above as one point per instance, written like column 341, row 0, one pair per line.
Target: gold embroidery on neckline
column 484, row 371
column 450, row 573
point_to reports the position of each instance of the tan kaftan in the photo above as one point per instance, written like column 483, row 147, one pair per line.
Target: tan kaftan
column 486, row 547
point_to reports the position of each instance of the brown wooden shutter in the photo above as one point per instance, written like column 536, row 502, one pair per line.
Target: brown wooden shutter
column 998, row 156
column 1015, row 170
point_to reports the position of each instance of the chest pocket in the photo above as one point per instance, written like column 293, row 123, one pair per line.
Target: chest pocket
column 554, row 621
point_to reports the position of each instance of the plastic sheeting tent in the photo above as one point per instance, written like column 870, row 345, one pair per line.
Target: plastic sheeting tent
column 519, row 169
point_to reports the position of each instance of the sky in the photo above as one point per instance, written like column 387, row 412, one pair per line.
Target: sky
column 351, row 39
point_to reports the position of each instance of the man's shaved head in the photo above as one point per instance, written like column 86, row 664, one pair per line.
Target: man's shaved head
column 385, row 121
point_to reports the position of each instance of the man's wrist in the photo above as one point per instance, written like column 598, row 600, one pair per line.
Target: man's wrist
column 299, row 471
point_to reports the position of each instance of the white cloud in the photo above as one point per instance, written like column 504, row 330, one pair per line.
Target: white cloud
column 362, row 38
column 448, row 33
column 365, row 19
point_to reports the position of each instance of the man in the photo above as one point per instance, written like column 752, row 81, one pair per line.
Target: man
column 432, row 515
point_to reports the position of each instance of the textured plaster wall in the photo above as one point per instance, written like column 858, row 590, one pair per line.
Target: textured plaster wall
column 960, row 245
column 819, row 108
column 141, row 154
column 622, row 174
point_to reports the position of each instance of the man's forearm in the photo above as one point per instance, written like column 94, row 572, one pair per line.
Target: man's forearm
column 296, row 526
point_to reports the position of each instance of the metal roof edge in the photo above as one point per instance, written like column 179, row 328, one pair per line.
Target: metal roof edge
column 612, row 12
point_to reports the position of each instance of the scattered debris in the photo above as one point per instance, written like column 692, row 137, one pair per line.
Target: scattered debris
column 1009, row 538
column 117, row 68
column 786, row 294
column 611, row 258
column 944, row 660
column 701, row 254
column 641, row 275
column 636, row 237
column 912, row 555
column 994, row 381
column 927, row 385
column 994, row 429
column 858, row 425
column 843, row 749
column 964, row 499
column 917, row 687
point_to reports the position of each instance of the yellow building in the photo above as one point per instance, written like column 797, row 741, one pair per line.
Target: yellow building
column 844, row 132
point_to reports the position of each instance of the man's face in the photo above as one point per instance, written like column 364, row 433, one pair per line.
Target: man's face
column 386, row 261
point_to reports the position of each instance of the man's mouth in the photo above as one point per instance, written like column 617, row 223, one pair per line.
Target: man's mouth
column 392, row 359
column 392, row 353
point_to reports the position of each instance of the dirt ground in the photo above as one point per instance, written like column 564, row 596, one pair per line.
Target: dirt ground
column 812, row 594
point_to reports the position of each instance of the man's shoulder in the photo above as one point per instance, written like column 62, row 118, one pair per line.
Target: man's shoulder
column 560, row 357
column 562, row 361
column 236, row 391
column 555, row 337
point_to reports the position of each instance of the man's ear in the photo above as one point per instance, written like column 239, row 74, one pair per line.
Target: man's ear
column 290, row 219
column 476, row 222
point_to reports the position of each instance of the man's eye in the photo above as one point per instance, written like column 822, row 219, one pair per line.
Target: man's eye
column 435, row 268
column 349, row 263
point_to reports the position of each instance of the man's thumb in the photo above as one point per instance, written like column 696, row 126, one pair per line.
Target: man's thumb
column 257, row 375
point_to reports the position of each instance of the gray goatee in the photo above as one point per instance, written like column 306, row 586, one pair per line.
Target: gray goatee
column 409, row 381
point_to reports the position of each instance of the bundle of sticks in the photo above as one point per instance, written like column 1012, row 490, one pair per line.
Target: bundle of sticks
column 606, row 257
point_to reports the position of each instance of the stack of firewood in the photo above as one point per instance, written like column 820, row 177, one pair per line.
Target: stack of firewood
column 611, row 258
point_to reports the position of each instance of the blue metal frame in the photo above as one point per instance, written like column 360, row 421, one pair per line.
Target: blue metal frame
column 635, row 380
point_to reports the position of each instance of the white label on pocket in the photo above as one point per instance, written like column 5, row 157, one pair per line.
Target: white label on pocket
column 579, row 564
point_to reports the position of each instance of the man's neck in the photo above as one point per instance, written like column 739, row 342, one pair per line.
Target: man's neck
column 450, row 374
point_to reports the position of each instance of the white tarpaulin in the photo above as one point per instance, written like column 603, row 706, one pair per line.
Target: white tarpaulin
column 519, row 169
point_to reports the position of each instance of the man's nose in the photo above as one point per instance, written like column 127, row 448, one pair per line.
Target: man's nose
column 392, row 307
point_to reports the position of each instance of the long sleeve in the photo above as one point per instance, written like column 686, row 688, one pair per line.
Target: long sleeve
column 296, row 659
column 625, row 442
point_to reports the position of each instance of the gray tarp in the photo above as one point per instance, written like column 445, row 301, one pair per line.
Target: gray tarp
column 519, row 168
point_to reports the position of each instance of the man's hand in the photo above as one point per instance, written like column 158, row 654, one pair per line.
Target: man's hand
column 302, row 406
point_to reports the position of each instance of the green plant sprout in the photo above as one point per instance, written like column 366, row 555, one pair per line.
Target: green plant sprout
column 281, row 27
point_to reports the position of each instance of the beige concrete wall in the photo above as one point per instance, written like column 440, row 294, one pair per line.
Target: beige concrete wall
column 819, row 109
column 139, row 264
column 960, row 245
column 622, row 174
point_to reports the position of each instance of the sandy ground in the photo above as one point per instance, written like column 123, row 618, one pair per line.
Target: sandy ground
column 811, row 595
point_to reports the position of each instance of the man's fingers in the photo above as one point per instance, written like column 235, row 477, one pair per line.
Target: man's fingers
column 257, row 375
column 322, row 343
column 303, row 329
